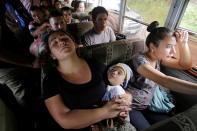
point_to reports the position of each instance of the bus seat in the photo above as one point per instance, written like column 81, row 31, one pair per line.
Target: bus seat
column 80, row 15
column 7, row 118
column 113, row 52
column 80, row 28
column 186, row 120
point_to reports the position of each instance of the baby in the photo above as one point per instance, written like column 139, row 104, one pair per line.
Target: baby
column 118, row 76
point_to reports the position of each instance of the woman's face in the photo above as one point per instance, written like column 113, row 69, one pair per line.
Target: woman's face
column 61, row 45
column 116, row 76
column 81, row 7
column 67, row 16
column 58, row 5
column 166, row 48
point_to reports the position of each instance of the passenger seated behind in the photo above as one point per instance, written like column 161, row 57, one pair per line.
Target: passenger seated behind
column 39, row 23
column 67, row 13
column 57, row 4
column 118, row 76
column 100, row 33
column 57, row 21
column 79, row 8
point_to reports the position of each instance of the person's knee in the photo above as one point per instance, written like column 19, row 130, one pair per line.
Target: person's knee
column 138, row 120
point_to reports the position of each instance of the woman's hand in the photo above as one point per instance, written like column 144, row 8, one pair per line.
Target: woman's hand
column 126, row 101
column 114, row 108
column 181, row 38
column 184, row 61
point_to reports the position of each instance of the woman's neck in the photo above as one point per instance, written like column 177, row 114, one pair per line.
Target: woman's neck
column 69, row 65
column 151, row 58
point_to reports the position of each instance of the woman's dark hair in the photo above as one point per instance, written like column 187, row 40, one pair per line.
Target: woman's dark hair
column 75, row 4
column 98, row 10
column 157, row 34
column 46, row 53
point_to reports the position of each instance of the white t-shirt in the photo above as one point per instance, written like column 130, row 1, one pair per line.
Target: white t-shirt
column 92, row 38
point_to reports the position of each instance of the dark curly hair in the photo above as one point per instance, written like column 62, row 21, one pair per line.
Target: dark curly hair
column 157, row 34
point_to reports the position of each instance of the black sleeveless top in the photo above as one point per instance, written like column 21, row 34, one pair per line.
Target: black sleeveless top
column 77, row 96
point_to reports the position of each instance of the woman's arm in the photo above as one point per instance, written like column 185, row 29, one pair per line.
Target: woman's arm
column 184, row 61
column 76, row 119
column 40, row 30
column 172, row 83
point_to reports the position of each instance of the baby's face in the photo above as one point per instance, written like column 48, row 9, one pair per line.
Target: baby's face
column 116, row 76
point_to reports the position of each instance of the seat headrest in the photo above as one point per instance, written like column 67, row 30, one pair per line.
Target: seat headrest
column 112, row 52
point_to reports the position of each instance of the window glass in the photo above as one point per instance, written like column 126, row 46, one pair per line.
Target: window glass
column 189, row 21
column 108, row 4
column 151, row 10
column 193, row 48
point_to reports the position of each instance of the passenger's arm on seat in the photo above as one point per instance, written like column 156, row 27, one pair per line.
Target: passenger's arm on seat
column 40, row 30
column 172, row 83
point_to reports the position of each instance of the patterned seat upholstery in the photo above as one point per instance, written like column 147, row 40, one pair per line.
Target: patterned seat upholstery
column 113, row 52
column 80, row 28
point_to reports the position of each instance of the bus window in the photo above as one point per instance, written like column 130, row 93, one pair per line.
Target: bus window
column 189, row 22
column 108, row 4
column 151, row 10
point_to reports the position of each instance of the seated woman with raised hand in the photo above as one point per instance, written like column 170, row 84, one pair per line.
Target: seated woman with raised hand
column 161, row 43
column 75, row 85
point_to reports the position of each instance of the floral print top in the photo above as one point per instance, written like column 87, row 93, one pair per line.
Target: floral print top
column 142, row 89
